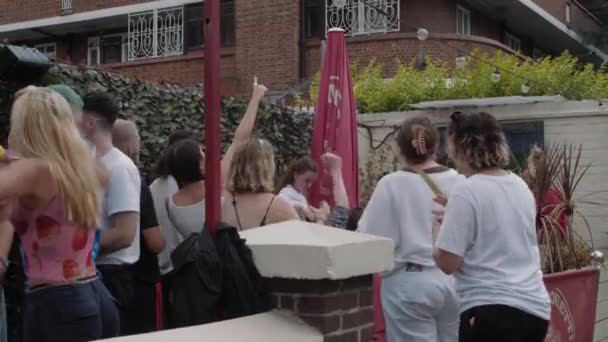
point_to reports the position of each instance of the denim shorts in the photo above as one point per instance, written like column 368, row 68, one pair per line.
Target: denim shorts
column 70, row 313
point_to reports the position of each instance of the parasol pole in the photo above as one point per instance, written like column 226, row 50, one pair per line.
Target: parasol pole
column 212, row 114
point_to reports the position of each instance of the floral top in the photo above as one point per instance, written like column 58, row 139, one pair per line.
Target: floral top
column 54, row 250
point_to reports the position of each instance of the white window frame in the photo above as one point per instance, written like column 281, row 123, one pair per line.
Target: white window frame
column 568, row 12
column 43, row 47
column 512, row 41
column 93, row 44
column 463, row 20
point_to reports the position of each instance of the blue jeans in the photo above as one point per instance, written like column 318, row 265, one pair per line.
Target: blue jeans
column 70, row 313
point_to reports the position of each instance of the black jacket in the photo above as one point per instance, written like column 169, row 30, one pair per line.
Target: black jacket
column 214, row 279
column 196, row 282
column 242, row 289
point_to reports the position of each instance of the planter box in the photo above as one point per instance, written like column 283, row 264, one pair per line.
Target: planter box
column 573, row 301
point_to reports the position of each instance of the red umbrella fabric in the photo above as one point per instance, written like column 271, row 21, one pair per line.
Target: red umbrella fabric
column 335, row 124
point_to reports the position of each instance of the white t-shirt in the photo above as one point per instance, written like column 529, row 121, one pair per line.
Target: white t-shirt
column 187, row 219
column 293, row 196
column 121, row 195
column 490, row 221
column 161, row 189
column 401, row 209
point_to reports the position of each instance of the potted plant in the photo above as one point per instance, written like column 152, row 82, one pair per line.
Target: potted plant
column 568, row 261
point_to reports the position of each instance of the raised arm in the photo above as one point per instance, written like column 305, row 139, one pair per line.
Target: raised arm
column 243, row 131
column 338, row 217
column 334, row 165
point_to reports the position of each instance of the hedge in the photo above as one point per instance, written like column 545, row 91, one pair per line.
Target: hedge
column 160, row 109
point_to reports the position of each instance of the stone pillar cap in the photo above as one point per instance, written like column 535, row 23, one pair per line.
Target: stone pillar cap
column 301, row 250
column 274, row 326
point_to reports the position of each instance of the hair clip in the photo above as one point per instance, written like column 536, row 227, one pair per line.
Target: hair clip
column 421, row 142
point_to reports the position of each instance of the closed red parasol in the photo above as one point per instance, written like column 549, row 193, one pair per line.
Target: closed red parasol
column 335, row 127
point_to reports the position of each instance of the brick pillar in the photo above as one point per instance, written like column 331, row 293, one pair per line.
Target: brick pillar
column 341, row 309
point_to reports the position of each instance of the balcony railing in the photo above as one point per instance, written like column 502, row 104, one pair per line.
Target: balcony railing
column 156, row 33
column 360, row 17
column 67, row 6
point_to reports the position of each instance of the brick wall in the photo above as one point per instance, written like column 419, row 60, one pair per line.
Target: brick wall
column 267, row 42
column 23, row 10
column 404, row 46
column 341, row 309
column 184, row 71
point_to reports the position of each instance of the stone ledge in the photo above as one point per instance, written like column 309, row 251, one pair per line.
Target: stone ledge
column 274, row 326
column 301, row 250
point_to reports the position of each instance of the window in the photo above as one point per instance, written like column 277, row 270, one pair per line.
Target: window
column 538, row 53
column 520, row 136
column 358, row 17
column 194, row 25
column 568, row 13
column 314, row 12
column 512, row 41
column 107, row 49
column 49, row 49
column 463, row 21
column 227, row 33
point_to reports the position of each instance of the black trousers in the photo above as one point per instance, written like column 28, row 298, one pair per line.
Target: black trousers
column 143, row 313
column 501, row 323
column 167, row 282
column 120, row 281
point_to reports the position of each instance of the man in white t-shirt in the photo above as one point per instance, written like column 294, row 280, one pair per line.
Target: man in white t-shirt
column 118, row 243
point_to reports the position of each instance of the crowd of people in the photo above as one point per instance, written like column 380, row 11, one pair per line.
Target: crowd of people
column 97, row 241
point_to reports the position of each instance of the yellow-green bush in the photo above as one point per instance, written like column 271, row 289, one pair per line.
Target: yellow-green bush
column 563, row 75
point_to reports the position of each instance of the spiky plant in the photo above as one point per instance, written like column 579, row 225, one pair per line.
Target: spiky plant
column 559, row 169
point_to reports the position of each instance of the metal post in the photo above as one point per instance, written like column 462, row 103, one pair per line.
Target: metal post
column 212, row 114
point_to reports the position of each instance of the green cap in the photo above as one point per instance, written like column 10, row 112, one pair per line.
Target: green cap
column 69, row 95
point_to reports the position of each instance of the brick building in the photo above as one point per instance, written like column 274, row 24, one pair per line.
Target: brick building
column 281, row 41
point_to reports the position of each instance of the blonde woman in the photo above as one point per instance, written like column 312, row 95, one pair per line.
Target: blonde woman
column 54, row 190
column 250, row 201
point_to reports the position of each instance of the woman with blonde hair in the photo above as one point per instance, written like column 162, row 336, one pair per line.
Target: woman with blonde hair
column 250, row 201
column 53, row 188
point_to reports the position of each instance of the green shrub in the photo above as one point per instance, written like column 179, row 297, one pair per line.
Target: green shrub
column 562, row 75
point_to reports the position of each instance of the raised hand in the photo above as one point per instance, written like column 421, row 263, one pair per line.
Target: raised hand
column 259, row 90
column 331, row 161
